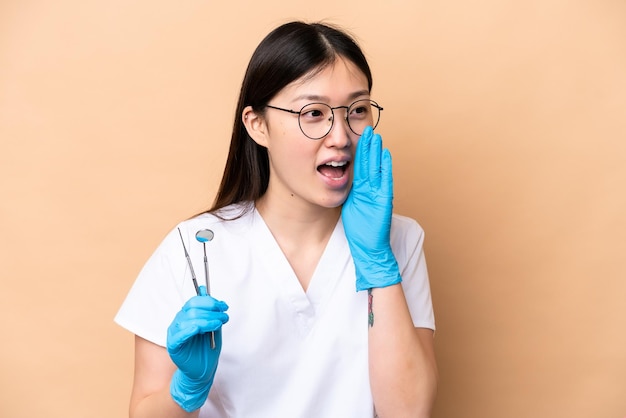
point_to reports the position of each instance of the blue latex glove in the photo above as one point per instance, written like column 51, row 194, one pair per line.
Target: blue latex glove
column 366, row 215
column 189, row 346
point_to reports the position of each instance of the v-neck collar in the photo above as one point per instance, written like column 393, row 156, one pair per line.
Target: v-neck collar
column 323, row 281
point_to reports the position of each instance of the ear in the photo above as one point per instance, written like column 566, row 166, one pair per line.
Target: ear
column 255, row 125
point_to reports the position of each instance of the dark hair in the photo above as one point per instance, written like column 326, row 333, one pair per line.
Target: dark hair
column 286, row 54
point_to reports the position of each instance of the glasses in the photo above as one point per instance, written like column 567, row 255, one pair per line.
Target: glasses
column 316, row 119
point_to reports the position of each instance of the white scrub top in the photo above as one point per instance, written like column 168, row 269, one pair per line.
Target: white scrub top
column 285, row 352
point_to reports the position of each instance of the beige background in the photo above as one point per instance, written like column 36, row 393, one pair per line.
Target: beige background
column 507, row 125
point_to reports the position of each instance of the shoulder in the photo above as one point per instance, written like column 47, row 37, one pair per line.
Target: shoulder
column 404, row 226
column 234, row 213
column 233, row 220
column 406, row 237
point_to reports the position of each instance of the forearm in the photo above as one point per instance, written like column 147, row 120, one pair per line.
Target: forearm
column 159, row 405
column 403, row 370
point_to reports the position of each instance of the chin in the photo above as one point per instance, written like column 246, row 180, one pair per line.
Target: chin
column 334, row 201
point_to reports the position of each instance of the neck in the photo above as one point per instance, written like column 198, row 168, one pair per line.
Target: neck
column 301, row 231
column 291, row 221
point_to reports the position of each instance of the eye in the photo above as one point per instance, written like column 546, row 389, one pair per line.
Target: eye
column 315, row 112
column 360, row 111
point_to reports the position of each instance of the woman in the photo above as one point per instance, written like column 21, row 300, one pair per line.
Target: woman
column 303, row 216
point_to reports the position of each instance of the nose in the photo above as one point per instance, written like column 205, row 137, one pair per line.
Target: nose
column 340, row 135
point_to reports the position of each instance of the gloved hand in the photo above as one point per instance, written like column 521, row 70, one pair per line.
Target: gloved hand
column 366, row 215
column 189, row 346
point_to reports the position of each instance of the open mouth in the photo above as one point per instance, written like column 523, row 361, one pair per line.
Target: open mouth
column 334, row 169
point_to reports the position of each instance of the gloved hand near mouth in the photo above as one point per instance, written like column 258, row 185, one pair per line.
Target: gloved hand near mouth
column 367, row 212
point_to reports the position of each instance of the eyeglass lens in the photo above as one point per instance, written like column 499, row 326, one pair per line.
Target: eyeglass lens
column 316, row 119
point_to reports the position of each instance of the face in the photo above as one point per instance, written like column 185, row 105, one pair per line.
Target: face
column 304, row 171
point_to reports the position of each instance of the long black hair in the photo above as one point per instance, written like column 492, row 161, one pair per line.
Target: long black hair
column 286, row 54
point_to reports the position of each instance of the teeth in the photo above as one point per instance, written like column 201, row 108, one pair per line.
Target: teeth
column 336, row 163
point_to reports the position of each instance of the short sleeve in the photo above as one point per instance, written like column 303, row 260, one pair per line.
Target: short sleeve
column 407, row 239
column 158, row 293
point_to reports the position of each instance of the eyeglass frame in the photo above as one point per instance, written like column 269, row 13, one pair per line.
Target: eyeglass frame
column 332, row 112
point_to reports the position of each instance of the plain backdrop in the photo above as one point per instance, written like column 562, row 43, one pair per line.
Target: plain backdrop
column 507, row 124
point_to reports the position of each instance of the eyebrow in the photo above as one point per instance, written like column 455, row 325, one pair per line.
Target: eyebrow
column 318, row 98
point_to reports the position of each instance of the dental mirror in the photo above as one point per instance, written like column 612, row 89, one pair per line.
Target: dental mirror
column 204, row 236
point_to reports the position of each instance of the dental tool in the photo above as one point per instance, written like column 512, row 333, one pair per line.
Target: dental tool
column 193, row 274
column 204, row 236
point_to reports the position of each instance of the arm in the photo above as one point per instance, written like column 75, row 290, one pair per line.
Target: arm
column 175, row 382
column 150, row 396
column 403, row 370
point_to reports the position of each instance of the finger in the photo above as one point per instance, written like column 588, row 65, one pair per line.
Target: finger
column 386, row 186
column 177, row 336
column 202, row 291
column 208, row 303
column 184, row 332
column 195, row 314
column 361, row 157
column 375, row 154
column 211, row 324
